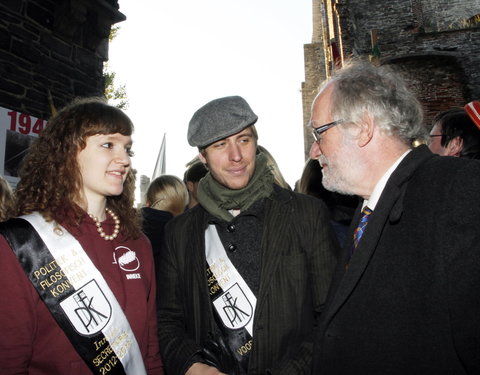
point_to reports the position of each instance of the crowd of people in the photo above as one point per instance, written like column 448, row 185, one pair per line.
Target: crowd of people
column 368, row 265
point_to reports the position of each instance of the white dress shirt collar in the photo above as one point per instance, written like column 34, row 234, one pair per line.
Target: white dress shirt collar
column 378, row 189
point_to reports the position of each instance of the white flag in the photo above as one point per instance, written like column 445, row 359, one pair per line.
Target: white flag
column 161, row 160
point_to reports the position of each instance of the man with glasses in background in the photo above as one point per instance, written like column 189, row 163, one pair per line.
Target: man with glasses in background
column 245, row 273
column 455, row 133
column 405, row 295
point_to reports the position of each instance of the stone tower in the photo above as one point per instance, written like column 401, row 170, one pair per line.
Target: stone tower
column 435, row 42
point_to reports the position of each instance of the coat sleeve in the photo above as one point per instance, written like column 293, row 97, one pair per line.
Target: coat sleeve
column 460, row 241
column 177, row 346
column 316, row 237
column 17, row 308
column 153, row 362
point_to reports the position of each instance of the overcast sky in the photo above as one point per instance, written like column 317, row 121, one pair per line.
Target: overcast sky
column 175, row 56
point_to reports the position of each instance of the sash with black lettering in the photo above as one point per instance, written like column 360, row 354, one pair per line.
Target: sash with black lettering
column 76, row 294
column 232, row 299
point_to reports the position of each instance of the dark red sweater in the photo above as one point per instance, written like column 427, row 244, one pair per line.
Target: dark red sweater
column 32, row 342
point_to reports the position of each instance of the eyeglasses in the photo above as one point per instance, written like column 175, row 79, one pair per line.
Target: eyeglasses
column 321, row 129
column 431, row 136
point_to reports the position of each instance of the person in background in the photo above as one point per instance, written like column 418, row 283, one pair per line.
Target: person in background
column 244, row 274
column 404, row 297
column 454, row 133
column 7, row 200
column 75, row 268
column 196, row 170
column 166, row 197
column 272, row 163
column 340, row 206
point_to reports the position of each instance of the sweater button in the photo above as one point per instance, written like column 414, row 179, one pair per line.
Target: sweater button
column 230, row 228
column 231, row 247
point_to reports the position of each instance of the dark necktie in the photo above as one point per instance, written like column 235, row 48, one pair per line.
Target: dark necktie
column 358, row 233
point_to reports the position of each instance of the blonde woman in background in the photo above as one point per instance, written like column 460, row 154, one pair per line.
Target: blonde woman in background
column 7, row 200
column 166, row 197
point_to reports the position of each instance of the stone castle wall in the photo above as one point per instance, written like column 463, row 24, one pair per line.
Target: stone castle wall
column 53, row 49
column 436, row 43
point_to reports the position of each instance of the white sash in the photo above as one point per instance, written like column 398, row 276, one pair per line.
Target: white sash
column 236, row 304
column 105, row 315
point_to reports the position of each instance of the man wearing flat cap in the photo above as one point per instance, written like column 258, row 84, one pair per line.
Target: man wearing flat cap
column 243, row 275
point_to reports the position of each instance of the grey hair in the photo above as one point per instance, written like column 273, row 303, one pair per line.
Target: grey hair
column 360, row 87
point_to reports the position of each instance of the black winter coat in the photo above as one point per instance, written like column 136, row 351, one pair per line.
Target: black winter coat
column 409, row 302
column 298, row 254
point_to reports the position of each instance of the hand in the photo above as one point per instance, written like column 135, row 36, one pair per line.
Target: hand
column 202, row 369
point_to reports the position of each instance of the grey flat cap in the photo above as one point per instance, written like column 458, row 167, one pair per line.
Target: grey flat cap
column 219, row 119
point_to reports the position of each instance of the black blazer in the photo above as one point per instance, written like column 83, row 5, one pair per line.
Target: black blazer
column 409, row 300
column 298, row 256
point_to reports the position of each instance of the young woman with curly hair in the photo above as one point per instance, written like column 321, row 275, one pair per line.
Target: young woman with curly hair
column 80, row 280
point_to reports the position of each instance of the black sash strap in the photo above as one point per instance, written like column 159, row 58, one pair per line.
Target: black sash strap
column 53, row 287
column 239, row 341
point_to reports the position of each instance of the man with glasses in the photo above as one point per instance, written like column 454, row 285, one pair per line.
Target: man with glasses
column 405, row 295
column 245, row 273
column 454, row 133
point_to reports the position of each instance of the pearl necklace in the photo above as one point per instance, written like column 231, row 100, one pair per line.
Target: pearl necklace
column 100, row 229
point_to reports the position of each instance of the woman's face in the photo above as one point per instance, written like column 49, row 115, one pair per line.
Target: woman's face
column 104, row 164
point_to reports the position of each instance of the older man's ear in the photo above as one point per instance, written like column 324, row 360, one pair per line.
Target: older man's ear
column 367, row 130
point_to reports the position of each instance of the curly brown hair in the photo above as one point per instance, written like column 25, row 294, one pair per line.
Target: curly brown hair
column 50, row 181
column 7, row 200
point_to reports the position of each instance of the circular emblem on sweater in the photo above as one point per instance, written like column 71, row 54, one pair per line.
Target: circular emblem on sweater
column 126, row 259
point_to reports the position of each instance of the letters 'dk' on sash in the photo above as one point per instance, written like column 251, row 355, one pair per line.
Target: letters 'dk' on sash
column 232, row 299
column 76, row 294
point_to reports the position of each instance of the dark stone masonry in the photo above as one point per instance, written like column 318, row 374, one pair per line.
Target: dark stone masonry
column 52, row 51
